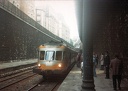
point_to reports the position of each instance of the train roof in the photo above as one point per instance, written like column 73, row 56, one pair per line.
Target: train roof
column 59, row 43
column 56, row 43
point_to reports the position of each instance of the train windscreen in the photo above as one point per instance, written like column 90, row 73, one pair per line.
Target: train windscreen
column 58, row 55
column 42, row 55
column 49, row 55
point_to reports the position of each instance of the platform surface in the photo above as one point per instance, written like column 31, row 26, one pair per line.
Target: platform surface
column 73, row 82
column 17, row 63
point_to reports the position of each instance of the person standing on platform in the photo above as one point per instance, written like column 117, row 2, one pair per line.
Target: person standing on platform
column 81, row 66
column 97, row 59
column 106, row 64
column 94, row 65
column 79, row 59
column 102, row 61
column 117, row 68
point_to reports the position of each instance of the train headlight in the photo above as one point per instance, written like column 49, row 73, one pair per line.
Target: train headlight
column 39, row 65
column 59, row 65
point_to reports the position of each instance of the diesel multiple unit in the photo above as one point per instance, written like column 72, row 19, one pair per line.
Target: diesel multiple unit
column 54, row 58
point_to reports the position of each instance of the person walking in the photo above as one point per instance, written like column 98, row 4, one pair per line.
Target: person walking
column 117, row 68
column 106, row 64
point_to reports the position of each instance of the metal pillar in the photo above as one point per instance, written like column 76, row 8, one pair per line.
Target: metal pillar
column 88, row 81
column 85, row 25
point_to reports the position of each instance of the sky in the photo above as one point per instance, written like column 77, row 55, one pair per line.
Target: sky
column 67, row 9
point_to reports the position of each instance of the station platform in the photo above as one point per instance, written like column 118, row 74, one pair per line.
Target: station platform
column 12, row 67
column 17, row 63
column 73, row 82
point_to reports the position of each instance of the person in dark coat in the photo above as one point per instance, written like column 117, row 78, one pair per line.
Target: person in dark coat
column 106, row 64
column 94, row 65
column 79, row 59
column 102, row 61
column 117, row 68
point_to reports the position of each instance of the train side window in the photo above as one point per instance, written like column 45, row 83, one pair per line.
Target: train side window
column 65, row 55
column 49, row 55
column 58, row 55
column 42, row 55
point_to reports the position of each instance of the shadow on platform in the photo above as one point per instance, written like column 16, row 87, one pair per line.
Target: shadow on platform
column 73, row 82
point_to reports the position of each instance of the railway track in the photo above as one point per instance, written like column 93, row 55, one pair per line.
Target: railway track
column 15, row 79
column 17, row 82
column 50, row 84
column 3, row 75
column 46, row 85
column 28, row 81
column 15, row 75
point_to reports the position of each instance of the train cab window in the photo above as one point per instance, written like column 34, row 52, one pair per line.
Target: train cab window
column 42, row 55
column 58, row 55
column 49, row 55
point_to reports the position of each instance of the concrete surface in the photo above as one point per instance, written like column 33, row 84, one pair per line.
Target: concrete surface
column 73, row 82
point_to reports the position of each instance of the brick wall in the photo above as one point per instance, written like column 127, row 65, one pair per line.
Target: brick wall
column 112, row 31
column 112, row 34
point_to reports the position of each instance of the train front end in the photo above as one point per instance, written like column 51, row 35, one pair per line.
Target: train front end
column 50, row 61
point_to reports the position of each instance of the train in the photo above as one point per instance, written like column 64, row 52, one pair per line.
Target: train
column 55, row 58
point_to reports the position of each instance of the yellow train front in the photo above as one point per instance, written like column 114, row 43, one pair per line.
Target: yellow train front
column 55, row 58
